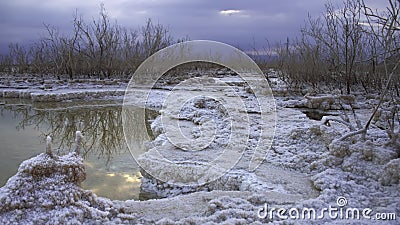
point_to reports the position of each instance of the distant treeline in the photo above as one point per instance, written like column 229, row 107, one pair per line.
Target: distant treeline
column 97, row 49
column 348, row 46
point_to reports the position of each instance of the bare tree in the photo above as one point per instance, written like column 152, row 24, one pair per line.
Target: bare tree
column 339, row 33
column 19, row 56
column 385, row 29
column 155, row 37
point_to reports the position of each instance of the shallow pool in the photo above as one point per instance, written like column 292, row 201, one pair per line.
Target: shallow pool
column 111, row 170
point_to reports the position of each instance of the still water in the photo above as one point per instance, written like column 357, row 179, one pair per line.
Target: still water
column 111, row 170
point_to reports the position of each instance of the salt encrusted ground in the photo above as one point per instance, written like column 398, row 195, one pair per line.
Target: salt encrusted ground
column 44, row 90
column 306, row 167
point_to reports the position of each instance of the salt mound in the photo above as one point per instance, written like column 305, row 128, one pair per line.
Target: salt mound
column 47, row 190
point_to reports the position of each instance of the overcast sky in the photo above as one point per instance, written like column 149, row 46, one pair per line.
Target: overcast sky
column 236, row 22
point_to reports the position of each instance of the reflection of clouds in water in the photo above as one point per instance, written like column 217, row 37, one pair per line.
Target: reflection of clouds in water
column 128, row 177
column 115, row 185
column 133, row 179
column 117, row 179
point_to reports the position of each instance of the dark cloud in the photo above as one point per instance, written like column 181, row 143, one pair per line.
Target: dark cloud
column 252, row 20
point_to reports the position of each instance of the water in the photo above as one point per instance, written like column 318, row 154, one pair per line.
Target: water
column 111, row 170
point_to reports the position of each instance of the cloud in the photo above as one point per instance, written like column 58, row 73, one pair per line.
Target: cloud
column 229, row 12
column 235, row 22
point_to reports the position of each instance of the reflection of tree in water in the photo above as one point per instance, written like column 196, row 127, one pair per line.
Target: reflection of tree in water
column 101, row 126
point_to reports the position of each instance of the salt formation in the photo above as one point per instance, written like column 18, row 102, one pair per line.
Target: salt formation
column 308, row 166
column 48, row 146
column 46, row 190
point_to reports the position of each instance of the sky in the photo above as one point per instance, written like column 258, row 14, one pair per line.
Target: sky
column 242, row 23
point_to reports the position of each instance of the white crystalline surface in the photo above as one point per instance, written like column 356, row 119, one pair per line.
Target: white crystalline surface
column 46, row 190
column 365, row 172
column 51, row 90
column 306, row 167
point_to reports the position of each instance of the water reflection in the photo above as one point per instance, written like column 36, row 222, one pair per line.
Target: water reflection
column 111, row 170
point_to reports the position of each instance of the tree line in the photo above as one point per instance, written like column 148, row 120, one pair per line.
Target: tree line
column 97, row 49
column 348, row 47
